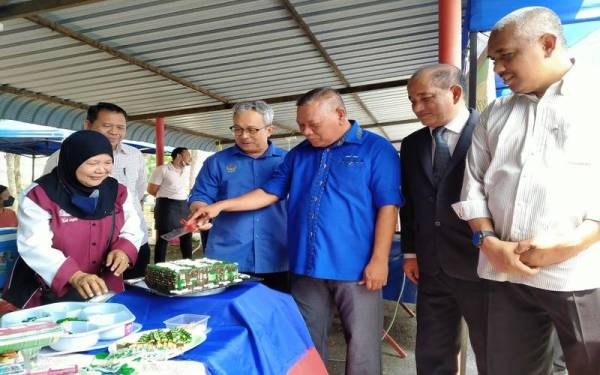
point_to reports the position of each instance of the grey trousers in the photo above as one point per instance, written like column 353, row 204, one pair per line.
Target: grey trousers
column 361, row 313
column 441, row 303
column 520, row 329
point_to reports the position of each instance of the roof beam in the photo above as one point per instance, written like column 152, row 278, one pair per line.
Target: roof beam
column 29, row 8
column 313, row 38
column 272, row 100
column 40, row 96
column 54, row 26
column 69, row 103
column 132, row 60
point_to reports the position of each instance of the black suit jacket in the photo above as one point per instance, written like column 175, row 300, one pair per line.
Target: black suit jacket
column 430, row 227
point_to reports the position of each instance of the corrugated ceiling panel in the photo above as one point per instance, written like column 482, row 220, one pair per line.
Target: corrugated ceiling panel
column 388, row 105
column 398, row 132
column 208, row 43
column 54, row 76
column 375, row 41
column 239, row 49
column 39, row 112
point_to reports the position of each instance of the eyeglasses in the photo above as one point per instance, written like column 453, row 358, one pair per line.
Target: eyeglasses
column 238, row 130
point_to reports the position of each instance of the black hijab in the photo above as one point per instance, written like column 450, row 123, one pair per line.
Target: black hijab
column 63, row 187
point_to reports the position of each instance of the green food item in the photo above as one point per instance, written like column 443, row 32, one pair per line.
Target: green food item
column 126, row 370
column 177, row 336
column 161, row 339
column 59, row 321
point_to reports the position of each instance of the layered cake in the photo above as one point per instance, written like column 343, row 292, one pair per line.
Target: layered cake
column 186, row 275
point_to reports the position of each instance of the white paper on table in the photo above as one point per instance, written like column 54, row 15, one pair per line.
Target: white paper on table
column 146, row 368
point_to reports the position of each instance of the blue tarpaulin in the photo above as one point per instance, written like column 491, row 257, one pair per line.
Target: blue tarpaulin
column 29, row 139
column 483, row 14
column 580, row 18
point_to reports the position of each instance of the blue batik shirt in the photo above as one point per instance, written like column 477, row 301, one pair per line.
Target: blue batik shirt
column 334, row 195
column 256, row 240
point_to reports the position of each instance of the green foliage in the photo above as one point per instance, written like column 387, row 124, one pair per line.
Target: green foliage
column 151, row 163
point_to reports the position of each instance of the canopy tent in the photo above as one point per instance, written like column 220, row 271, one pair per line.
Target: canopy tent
column 581, row 23
column 28, row 139
column 483, row 14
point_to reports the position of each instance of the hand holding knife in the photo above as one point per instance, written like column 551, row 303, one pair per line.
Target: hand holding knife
column 189, row 226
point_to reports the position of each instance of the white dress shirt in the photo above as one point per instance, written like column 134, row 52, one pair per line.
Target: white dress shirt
column 534, row 169
column 453, row 130
column 173, row 183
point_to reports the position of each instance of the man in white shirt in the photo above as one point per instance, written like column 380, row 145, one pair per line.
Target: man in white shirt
column 169, row 184
column 129, row 167
column 530, row 196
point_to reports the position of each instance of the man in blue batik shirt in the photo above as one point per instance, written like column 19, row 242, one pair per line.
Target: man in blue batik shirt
column 343, row 190
column 256, row 240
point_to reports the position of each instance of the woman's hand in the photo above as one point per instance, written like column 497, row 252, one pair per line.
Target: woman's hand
column 118, row 261
column 87, row 284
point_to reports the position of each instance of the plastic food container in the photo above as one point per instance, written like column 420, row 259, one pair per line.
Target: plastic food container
column 80, row 335
column 29, row 335
column 87, row 323
column 197, row 321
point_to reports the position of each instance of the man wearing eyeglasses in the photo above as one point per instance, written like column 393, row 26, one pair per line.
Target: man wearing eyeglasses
column 256, row 240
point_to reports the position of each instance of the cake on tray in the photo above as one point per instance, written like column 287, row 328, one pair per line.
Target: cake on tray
column 187, row 275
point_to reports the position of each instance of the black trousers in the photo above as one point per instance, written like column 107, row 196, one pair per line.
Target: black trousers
column 167, row 216
column 521, row 323
column 442, row 301
column 160, row 250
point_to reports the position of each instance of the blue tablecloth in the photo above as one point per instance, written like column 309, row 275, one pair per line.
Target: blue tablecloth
column 255, row 330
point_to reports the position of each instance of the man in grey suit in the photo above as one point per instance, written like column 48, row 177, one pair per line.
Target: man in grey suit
column 439, row 254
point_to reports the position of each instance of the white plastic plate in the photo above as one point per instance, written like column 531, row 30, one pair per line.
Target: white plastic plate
column 101, row 344
column 198, row 337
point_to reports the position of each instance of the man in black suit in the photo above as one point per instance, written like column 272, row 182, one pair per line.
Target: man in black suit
column 439, row 254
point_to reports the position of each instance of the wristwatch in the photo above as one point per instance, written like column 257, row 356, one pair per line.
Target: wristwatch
column 478, row 237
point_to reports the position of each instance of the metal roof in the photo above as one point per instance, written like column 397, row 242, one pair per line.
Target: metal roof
column 182, row 57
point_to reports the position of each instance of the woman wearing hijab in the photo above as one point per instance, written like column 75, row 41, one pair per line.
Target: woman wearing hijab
column 8, row 218
column 78, row 228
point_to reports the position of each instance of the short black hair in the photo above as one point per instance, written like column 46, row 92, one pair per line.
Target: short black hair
column 92, row 112
column 177, row 151
column 320, row 93
column 2, row 188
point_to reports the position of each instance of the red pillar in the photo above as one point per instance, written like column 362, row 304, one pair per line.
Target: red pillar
column 450, row 32
column 160, row 141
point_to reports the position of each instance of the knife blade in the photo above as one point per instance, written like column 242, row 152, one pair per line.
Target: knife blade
column 188, row 227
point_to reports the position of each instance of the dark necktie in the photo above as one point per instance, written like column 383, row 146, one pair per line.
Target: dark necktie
column 442, row 154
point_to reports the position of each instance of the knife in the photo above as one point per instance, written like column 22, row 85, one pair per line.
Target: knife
column 188, row 227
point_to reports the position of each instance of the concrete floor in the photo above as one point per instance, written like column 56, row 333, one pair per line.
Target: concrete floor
column 403, row 331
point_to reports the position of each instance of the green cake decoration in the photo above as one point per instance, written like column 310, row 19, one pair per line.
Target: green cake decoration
column 187, row 275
